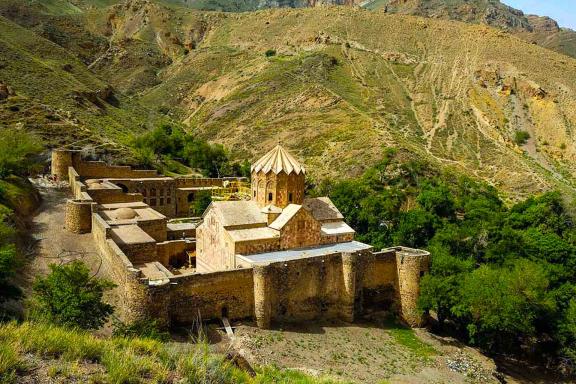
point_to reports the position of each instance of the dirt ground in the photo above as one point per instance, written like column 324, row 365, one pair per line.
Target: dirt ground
column 363, row 352
column 54, row 244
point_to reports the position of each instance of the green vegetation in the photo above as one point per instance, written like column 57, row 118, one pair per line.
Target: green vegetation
column 145, row 328
column 70, row 296
column 17, row 152
column 166, row 143
column 503, row 278
column 521, row 137
column 121, row 360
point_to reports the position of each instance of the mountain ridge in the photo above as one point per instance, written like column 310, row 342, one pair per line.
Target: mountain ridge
column 337, row 84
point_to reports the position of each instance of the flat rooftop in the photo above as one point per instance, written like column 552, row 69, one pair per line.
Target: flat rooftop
column 133, row 204
column 303, row 253
column 129, row 235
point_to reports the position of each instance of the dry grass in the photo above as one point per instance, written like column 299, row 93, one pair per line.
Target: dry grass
column 66, row 354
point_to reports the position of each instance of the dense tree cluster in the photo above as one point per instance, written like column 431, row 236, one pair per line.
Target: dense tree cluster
column 503, row 277
column 167, row 143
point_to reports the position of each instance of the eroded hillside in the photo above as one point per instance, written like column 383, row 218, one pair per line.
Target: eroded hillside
column 337, row 85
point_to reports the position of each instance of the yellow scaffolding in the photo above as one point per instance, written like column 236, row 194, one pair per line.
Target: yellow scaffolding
column 232, row 190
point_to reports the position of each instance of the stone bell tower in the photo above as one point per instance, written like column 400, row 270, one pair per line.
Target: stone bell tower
column 277, row 179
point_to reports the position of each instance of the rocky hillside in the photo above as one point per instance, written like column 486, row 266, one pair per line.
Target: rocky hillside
column 535, row 29
column 337, row 85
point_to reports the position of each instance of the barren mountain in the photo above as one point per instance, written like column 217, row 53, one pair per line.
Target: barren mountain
column 336, row 84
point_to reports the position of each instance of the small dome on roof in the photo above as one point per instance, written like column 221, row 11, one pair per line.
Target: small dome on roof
column 125, row 213
column 278, row 160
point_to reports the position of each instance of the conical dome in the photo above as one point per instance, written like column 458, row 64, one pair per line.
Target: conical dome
column 278, row 160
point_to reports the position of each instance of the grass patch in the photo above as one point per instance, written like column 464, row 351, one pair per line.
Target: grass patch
column 124, row 360
column 405, row 336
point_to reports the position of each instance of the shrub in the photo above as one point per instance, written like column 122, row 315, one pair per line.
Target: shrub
column 270, row 53
column 17, row 150
column 70, row 296
column 146, row 328
column 521, row 137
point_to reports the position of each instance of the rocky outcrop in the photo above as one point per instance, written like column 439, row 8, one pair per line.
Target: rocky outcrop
column 5, row 91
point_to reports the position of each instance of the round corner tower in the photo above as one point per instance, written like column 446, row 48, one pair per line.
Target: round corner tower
column 411, row 265
column 278, row 179
column 62, row 159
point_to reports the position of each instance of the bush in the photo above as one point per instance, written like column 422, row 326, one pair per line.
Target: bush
column 17, row 150
column 521, row 137
column 146, row 328
column 270, row 53
column 172, row 143
column 70, row 296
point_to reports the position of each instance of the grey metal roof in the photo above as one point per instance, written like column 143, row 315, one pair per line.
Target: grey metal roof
column 303, row 253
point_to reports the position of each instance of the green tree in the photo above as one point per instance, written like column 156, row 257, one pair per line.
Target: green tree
column 504, row 304
column 70, row 296
column 17, row 151
column 203, row 200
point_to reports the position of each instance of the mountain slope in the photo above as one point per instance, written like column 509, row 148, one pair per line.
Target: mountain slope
column 345, row 83
column 336, row 84
column 535, row 29
column 50, row 91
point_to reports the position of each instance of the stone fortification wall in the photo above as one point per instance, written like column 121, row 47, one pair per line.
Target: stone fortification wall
column 378, row 282
column 189, row 298
column 193, row 182
column 99, row 170
column 299, row 290
column 411, row 265
column 78, row 215
column 62, row 160
column 111, row 196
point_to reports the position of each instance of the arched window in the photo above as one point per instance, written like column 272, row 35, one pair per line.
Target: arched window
column 269, row 196
column 290, row 197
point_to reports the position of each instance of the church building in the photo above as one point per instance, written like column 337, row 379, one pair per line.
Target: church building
column 278, row 217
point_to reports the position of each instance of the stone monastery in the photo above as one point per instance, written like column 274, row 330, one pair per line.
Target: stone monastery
column 268, row 253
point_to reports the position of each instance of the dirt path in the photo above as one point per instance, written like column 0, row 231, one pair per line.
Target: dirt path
column 54, row 244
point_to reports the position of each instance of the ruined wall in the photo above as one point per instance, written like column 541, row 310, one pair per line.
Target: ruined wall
column 278, row 189
column 336, row 239
column 256, row 246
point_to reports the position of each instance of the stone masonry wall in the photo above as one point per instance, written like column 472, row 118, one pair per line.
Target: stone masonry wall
column 206, row 295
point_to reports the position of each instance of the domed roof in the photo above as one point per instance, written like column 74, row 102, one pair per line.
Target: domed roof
column 278, row 160
column 125, row 213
